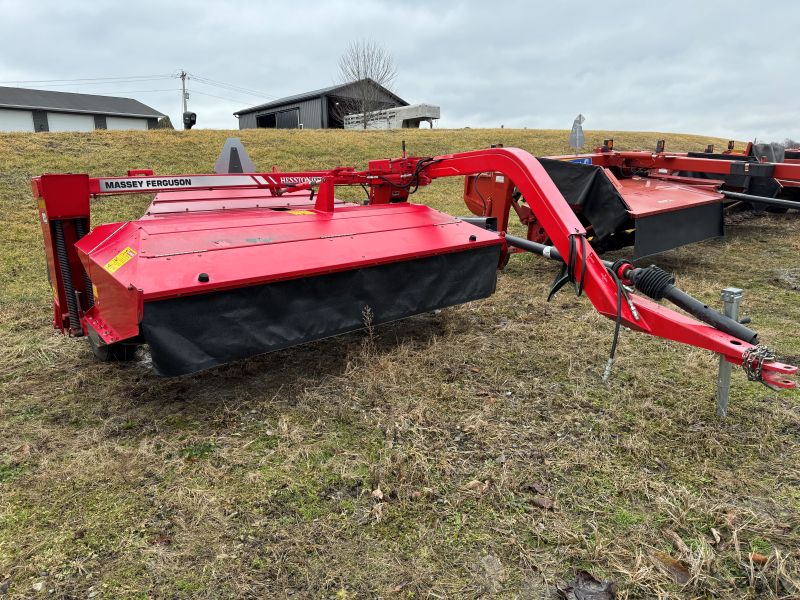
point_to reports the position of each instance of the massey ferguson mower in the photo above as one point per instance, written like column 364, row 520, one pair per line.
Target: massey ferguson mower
column 653, row 201
column 225, row 266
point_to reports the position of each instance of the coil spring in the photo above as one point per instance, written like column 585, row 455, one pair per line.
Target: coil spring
column 80, row 229
column 66, row 274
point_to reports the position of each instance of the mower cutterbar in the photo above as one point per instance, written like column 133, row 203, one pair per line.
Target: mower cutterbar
column 227, row 266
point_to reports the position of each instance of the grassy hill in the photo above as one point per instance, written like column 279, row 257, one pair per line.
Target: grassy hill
column 469, row 453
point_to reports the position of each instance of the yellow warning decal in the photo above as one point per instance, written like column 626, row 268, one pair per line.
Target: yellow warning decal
column 300, row 212
column 120, row 259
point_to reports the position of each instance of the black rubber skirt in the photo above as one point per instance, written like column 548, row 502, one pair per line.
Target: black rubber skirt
column 197, row 332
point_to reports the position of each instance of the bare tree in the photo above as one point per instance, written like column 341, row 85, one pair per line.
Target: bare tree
column 164, row 123
column 365, row 67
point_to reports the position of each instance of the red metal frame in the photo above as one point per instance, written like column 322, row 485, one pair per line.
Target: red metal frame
column 673, row 162
column 66, row 198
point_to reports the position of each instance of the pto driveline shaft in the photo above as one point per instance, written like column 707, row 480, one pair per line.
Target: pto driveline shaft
column 657, row 284
column 535, row 247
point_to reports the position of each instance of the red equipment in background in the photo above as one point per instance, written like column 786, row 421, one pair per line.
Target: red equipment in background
column 226, row 266
column 653, row 201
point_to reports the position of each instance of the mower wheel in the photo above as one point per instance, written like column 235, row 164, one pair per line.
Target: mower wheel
column 119, row 352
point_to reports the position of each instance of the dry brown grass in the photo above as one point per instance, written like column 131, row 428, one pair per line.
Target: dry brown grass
column 257, row 479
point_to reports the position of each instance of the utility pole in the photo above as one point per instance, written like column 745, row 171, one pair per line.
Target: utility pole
column 184, row 95
column 189, row 118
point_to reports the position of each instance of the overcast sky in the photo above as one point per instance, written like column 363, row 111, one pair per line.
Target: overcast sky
column 728, row 68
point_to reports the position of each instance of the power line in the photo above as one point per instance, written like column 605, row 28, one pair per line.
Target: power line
column 224, row 89
column 214, row 96
column 120, row 92
column 85, row 81
column 138, row 91
column 230, row 86
column 99, row 79
column 81, row 84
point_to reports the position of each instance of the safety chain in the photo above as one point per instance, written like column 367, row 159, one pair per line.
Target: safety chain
column 753, row 361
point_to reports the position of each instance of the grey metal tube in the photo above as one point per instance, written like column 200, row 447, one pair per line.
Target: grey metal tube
column 488, row 223
column 777, row 202
column 534, row 247
column 541, row 249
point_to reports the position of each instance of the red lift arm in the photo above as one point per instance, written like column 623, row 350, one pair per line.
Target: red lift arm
column 64, row 205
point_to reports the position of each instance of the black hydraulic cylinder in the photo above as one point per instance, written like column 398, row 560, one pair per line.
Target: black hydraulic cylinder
column 776, row 202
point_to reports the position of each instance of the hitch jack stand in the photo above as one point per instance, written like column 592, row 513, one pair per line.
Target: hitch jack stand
column 731, row 300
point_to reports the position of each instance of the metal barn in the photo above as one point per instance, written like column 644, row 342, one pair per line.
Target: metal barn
column 319, row 109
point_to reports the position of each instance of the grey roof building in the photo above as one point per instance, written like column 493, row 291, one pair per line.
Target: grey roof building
column 318, row 109
column 23, row 109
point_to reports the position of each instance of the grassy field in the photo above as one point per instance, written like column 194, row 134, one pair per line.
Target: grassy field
column 465, row 454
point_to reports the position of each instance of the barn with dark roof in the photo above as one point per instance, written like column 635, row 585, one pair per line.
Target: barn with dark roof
column 319, row 109
column 23, row 109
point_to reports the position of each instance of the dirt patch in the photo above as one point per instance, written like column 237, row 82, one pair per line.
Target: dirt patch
column 788, row 278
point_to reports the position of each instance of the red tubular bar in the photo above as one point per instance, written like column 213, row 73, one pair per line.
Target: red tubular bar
column 677, row 162
column 640, row 159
